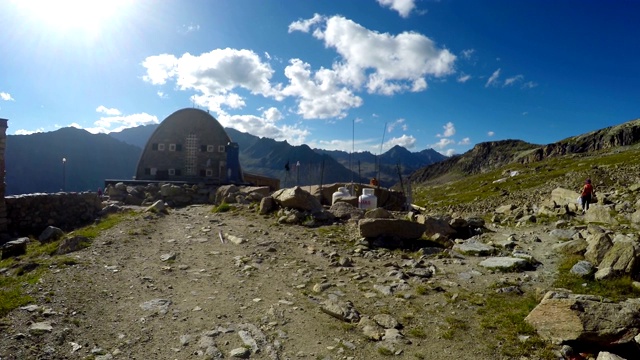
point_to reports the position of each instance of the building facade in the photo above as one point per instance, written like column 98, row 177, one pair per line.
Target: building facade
column 190, row 145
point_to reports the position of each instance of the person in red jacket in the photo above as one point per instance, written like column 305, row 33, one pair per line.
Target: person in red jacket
column 586, row 194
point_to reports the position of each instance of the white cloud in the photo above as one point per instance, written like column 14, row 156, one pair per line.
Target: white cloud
column 465, row 141
column 162, row 95
column 399, row 122
column 265, row 126
column 190, row 28
column 443, row 143
column 450, row 152
column 320, row 95
column 213, row 75
column 6, row 96
column 105, row 110
column 75, row 125
column 529, row 85
column 406, row 141
column 120, row 122
column 28, row 132
column 403, row 7
column 494, row 77
column 463, row 78
column 512, row 80
column 305, row 25
column 381, row 62
column 346, row 145
column 468, row 53
column 449, row 130
column 491, row 133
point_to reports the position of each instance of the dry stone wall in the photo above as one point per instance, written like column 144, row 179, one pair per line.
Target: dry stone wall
column 30, row 214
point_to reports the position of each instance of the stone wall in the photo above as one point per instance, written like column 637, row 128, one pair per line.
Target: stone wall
column 31, row 213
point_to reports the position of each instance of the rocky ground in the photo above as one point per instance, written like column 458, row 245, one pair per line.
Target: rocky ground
column 195, row 284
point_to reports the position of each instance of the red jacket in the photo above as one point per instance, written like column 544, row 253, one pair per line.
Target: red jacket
column 587, row 190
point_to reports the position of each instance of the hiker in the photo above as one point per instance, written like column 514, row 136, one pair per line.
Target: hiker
column 100, row 192
column 586, row 194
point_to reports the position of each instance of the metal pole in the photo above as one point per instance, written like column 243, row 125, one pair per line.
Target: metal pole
column 64, row 178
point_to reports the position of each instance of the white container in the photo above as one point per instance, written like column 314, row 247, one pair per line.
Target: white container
column 367, row 200
column 341, row 193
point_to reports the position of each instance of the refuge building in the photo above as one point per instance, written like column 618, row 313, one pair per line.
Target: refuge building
column 190, row 145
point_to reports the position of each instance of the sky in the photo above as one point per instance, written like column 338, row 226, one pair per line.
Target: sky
column 356, row 75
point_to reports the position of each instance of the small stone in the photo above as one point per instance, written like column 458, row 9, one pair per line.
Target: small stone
column 240, row 353
column 40, row 328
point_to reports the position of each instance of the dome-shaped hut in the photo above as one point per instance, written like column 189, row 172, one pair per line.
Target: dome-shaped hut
column 190, row 145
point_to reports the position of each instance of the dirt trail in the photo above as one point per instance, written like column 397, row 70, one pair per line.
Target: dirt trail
column 129, row 298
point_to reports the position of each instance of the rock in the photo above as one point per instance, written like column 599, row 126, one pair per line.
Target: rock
column 571, row 247
column 475, row 222
column 505, row 209
column 563, row 196
column 578, row 319
column 622, row 258
column 344, row 211
column 378, row 213
column 397, row 228
column 599, row 214
column 51, row 233
column 436, row 226
column 342, row 310
column 40, row 328
column 599, row 245
column 267, row 205
column 240, row 353
column 158, row 207
column 234, row 239
column 635, row 217
column 370, row 329
column 168, row 257
column 73, row 244
column 563, row 234
column 603, row 355
column 474, row 247
column 583, row 269
column 458, row 223
column 160, row 306
column 15, row 248
column 297, row 198
column 386, row 321
column 503, row 263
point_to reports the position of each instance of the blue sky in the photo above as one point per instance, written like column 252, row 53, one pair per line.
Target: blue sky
column 441, row 74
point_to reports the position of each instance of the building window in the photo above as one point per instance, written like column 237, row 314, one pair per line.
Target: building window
column 154, row 146
column 210, row 148
column 153, row 171
column 172, row 147
column 160, row 147
column 147, row 171
column 172, row 172
column 221, row 148
column 209, row 172
column 178, row 147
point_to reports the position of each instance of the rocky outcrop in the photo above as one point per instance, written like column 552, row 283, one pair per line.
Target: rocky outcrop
column 586, row 320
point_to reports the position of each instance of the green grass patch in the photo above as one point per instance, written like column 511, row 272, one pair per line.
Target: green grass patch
column 454, row 327
column 384, row 351
column 223, row 207
column 92, row 231
column 502, row 319
column 417, row 333
column 617, row 289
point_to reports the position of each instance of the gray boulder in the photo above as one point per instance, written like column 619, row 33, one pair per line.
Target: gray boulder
column 599, row 214
column 436, row 226
column 572, row 247
column 15, row 248
column 597, row 248
column 474, row 247
column 72, row 244
column 343, row 310
column 344, row 211
column 505, row 263
column 297, row 198
column 397, row 228
column 583, row 269
column 267, row 205
column 51, row 233
column 622, row 258
column 585, row 319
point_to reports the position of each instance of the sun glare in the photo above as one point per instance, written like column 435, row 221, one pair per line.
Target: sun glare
column 88, row 15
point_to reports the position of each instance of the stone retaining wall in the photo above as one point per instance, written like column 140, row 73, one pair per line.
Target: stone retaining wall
column 31, row 213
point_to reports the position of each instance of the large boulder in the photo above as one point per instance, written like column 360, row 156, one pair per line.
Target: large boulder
column 599, row 214
column 345, row 211
column 15, row 248
column 585, row 319
column 297, row 198
column 597, row 248
column 397, row 228
column 73, row 244
column 562, row 196
column 51, row 233
column 435, row 226
column 622, row 258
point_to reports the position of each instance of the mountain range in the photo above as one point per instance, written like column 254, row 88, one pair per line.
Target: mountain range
column 34, row 162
